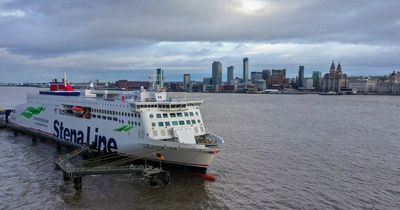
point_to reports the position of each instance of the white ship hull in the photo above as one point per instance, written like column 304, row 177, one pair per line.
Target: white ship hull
column 133, row 134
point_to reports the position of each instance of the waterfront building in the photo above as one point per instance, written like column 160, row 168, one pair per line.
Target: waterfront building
column 308, row 83
column 390, row 85
column 335, row 80
column 131, row 85
column 316, row 75
column 229, row 75
column 255, row 75
column 278, row 78
column 207, row 81
column 362, row 85
column 186, row 81
column 160, row 78
column 245, row 70
column 266, row 74
column 260, row 84
column 300, row 78
column 216, row 73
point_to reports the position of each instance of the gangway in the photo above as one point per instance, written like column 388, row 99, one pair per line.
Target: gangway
column 155, row 177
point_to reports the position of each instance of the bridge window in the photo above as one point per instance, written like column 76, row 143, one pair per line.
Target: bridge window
column 167, row 123
column 158, row 115
column 181, row 122
column 180, row 114
column 172, row 115
column 165, row 115
column 188, row 122
column 186, row 114
column 193, row 122
column 191, row 114
column 174, row 123
column 160, row 124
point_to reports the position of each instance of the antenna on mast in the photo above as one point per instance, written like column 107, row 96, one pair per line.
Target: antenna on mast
column 65, row 78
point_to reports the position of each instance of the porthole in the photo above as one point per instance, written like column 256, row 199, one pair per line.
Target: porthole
column 153, row 124
column 151, row 115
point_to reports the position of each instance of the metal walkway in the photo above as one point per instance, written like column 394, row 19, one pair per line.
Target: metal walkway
column 111, row 163
column 155, row 177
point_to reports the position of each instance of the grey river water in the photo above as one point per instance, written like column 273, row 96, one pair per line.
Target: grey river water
column 281, row 152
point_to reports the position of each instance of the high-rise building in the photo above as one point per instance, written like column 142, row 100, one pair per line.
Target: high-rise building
column 245, row 70
column 160, row 78
column 266, row 74
column 229, row 74
column 278, row 78
column 256, row 75
column 300, row 78
column 316, row 75
column 186, row 81
column 216, row 73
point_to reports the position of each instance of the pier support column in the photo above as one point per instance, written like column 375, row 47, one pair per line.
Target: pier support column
column 66, row 178
column 78, row 183
column 58, row 145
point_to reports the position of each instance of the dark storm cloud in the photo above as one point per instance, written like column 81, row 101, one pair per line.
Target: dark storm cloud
column 127, row 34
column 58, row 26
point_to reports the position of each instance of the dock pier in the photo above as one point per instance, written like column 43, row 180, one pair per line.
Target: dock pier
column 102, row 164
column 155, row 177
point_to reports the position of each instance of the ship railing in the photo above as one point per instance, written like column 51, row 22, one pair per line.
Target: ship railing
column 210, row 140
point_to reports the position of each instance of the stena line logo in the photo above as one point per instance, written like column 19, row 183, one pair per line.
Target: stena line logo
column 81, row 137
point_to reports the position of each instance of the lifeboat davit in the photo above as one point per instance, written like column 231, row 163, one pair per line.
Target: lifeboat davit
column 78, row 109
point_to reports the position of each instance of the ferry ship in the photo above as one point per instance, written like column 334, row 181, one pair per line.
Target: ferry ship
column 142, row 123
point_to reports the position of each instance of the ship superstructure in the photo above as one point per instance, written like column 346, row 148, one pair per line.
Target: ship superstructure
column 143, row 123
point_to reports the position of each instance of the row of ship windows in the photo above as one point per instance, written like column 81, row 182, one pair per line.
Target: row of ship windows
column 166, row 106
column 116, row 119
column 175, row 123
column 179, row 114
column 170, row 132
column 111, row 112
column 105, row 104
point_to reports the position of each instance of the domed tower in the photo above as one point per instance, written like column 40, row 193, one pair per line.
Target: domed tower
column 339, row 68
column 392, row 77
column 333, row 68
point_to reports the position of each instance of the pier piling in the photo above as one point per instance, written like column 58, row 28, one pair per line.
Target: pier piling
column 78, row 183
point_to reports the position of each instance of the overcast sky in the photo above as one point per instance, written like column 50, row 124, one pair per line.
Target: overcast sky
column 110, row 40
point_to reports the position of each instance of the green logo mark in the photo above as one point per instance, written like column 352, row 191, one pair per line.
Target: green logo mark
column 124, row 128
column 30, row 111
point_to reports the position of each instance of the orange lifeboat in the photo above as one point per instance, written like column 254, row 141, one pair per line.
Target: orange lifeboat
column 78, row 109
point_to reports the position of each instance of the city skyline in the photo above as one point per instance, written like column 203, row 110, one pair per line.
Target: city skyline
column 43, row 39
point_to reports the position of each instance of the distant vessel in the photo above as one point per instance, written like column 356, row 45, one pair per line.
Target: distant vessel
column 143, row 123
column 330, row 93
column 271, row 91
